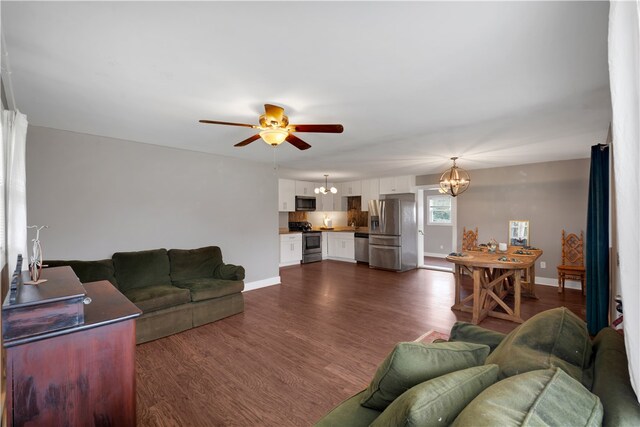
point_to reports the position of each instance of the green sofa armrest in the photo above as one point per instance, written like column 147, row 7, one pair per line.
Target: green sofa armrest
column 611, row 381
column 349, row 413
column 463, row 331
column 229, row 272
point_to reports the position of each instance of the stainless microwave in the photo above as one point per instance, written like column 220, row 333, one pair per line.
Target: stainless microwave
column 305, row 203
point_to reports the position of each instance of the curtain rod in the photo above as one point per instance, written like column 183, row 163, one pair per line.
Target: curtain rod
column 6, row 74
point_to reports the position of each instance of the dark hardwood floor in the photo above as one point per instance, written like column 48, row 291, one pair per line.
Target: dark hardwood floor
column 302, row 347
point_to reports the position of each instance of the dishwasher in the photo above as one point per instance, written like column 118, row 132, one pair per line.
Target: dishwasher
column 362, row 247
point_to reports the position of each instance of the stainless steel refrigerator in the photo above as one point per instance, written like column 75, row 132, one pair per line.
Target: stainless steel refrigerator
column 393, row 234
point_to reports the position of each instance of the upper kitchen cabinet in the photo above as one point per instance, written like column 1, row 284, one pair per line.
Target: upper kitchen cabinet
column 370, row 191
column 286, row 195
column 397, row 184
column 352, row 188
column 331, row 202
column 304, row 188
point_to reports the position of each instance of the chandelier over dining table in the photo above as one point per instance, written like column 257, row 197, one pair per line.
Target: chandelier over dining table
column 455, row 180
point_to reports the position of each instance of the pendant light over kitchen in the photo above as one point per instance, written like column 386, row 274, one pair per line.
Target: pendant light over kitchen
column 325, row 189
column 454, row 181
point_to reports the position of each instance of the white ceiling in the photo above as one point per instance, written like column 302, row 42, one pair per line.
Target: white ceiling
column 495, row 83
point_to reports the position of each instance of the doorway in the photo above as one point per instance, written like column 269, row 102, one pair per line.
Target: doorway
column 437, row 230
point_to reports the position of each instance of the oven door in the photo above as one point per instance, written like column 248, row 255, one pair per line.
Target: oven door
column 311, row 243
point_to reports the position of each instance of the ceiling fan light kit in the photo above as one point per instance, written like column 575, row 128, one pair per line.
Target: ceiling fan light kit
column 455, row 180
column 274, row 129
column 274, row 137
column 325, row 190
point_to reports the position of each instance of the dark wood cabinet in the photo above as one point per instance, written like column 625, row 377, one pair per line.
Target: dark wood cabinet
column 79, row 375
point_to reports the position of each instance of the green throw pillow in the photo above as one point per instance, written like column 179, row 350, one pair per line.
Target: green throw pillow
column 553, row 338
column 438, row 402
column 547, row 397
column 411, row 363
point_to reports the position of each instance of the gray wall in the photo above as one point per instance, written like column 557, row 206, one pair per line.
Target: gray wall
column 551, row 195
column 101, row 195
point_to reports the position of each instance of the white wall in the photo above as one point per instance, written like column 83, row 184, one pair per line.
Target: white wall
column 102, row 195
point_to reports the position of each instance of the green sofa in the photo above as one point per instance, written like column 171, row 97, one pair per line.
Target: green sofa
column 548, row 371
column 176, row 289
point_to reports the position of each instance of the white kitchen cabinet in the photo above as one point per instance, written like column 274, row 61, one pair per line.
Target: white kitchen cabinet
column 286, row 195
column 397, row 184
column 370, row 191
column 341, row 246
column 331, row 202
column 290, row 249
column 352, row 188
column 304, row 188
column 325, row 245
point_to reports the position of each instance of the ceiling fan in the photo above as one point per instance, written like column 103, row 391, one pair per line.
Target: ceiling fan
column 274, row 129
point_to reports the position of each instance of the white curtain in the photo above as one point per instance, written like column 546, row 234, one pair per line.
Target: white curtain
column 624, row 75
column 13, row 201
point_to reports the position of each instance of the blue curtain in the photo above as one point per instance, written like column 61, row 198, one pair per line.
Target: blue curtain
column 597, row 250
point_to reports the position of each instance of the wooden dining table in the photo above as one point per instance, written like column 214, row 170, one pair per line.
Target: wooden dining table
column 493, row 279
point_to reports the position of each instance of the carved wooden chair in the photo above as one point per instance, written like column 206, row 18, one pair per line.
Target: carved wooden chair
column 572, row 266
column 469, row 239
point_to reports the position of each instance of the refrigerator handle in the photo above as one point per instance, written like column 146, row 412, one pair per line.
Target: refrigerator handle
column 382, row 222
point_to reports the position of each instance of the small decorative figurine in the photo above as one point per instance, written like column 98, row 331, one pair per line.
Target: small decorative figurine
column 35, row 266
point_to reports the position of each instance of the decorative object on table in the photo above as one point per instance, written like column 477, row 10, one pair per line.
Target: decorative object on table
column 518, row 233
column 325, row 189
column 492, row 245
column 458, row 254
column 469, row 239
column 502, row 247
column 455, row 180
column 35, row 264
column 572, row 266
column 531, row 248
column 274, row 129
column 507, row 259
column 328, row 222
column 522, row 252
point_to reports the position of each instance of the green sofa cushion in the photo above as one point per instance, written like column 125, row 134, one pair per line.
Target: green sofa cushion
column 349, row 413
column 203, row 289
column 158, row 297
column 611, row 381
column 89, row 271
column 229, row 272
column 537, row 398
column 142, row 269
column 468, row 332
column 438, row 402
column 553, row 338
column 411, row 363
column 187, row 264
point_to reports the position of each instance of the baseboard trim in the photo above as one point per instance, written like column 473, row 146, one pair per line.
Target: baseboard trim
column 251, row 286
column 553, row 281
column 435, row 255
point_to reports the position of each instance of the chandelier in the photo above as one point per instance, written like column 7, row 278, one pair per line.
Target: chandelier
column 325, row 189
column 454, row 181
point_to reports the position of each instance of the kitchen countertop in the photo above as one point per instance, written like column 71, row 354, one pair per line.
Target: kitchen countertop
column 344, row 229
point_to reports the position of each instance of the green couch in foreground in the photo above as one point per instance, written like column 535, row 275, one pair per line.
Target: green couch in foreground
column 545, row 372
column 176, row 289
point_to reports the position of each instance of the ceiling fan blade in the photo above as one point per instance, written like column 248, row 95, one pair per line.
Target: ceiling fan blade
column 317, row 128
column 297, row 142
column 273, row 113
column 248, row 140
column 214, row 122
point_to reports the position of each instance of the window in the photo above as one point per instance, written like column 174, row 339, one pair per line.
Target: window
column 439, row 210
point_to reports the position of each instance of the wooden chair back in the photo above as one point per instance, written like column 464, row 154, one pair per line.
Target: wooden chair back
column 572, row 249
column 469, row 239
